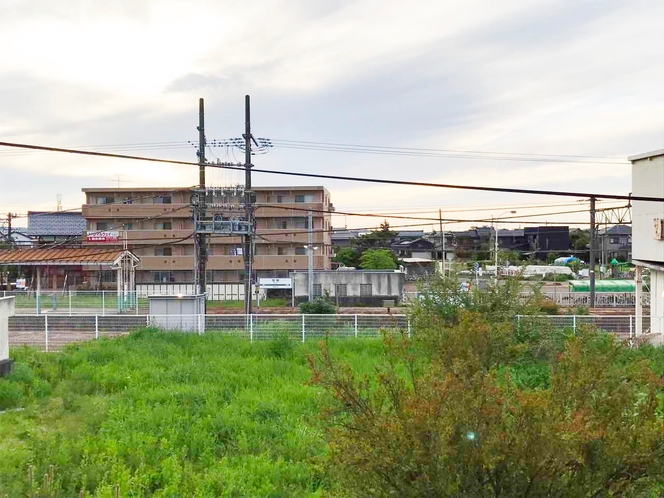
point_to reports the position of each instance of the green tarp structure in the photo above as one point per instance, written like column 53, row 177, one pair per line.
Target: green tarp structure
column 603, row 285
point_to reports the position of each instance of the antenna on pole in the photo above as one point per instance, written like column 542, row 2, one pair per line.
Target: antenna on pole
column 58, row 206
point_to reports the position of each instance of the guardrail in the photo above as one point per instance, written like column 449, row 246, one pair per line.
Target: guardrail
column 51, row 332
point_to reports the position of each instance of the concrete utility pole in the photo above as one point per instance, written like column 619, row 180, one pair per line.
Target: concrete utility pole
column 10, row 216
column 247, row 249
column 591, row 271
column 310, row 254
column 442, row 239
column 200, row 239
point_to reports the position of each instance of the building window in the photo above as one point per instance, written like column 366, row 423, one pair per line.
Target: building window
column 105, row 200
column 164, row 277
column 163, row 251
column 614, row 240
column 318, row 289
column 300, row 251
column 281, row 251
column 102, row 225
column 128, row 226
column 127, row 200
column 365, row 290
column 284, row 224
column 341, row 290
column 165, row 199
column 166, row 225
column 280, row 199
column 305, row 198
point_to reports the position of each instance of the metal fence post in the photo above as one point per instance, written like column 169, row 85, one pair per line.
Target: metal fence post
column 46, row 332
column 96, row 326
column 355, row 326
column 103, row 303
column 200, row 330
column 631, row 326
column 408, row 325
column 251, row 328
column 70, row 303
column 574, row 324
column 303, row 328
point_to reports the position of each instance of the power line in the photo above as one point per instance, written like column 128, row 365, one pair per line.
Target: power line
column 347, row 178
column 424, row 153
column 456, row 151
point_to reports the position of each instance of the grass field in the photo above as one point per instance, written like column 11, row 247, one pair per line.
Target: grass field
column 157, row 414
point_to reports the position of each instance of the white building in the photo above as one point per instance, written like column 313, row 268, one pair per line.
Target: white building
column 648, row 232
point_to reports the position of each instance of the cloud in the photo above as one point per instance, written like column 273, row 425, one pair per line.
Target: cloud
column 544, row 77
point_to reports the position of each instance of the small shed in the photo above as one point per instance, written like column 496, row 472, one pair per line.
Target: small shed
column 182, row 313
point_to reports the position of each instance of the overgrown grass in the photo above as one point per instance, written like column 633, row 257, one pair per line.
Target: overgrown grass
column 161, row 414
column 273, row 302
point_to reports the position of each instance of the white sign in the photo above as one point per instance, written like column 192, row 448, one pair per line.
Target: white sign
column 103, row 237
column 275, row 283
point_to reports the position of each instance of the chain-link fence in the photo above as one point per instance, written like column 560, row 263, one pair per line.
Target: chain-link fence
column 73, row 302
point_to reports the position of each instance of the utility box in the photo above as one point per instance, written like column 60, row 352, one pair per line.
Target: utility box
column 178, row 313
column 6, row 310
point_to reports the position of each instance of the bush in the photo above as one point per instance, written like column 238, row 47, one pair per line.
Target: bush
column 473, row 405
column 319, row 306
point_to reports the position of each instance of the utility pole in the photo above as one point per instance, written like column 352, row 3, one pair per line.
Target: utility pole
column 200, row 239
column 10, row 216
column 247, row 250
column 591, row 271
column 310, row 254
column 442, row 239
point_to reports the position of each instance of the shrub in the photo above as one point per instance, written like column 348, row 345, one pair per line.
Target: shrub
column 319, row 306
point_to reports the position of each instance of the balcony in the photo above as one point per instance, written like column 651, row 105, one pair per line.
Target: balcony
column 136, row 237
column 136, row 211
column 289, row 262
column 288, row 210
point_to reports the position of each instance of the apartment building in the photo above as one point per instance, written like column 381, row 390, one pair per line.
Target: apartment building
column 156, row 225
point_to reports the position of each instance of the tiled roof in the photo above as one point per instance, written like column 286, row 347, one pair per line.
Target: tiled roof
column 55, row 223
column 59, row 256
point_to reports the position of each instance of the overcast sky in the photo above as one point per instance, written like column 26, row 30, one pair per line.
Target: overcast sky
column 547, row 77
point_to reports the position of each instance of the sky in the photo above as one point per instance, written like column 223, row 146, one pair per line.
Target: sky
column 547, row 77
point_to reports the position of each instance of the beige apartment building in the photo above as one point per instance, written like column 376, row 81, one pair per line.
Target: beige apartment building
column 156, row 225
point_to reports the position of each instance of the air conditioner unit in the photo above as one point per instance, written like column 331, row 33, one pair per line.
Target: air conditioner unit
column 659, row 229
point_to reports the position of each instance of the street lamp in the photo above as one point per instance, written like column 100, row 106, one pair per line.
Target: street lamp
column 310, row 274
column 495, row 231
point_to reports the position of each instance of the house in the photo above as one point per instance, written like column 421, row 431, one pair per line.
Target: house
column 343, row 237
column 615, row 242
column 19, row 237
column 415, row 248
column 648, row 237
column 544, row 240
column 46, row 227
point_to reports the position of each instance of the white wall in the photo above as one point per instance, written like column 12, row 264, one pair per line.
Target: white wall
column 387, row 283
column 656, row 302
column 647, row 180
column 6, row 310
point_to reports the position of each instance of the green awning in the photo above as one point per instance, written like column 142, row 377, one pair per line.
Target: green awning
column 603, row 285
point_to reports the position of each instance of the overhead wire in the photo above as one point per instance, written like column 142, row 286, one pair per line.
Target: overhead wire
column 347, row 178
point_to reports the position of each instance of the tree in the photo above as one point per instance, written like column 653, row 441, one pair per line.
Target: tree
column 376, row 239
column 466, row 407
column 347, row 256
column 378, row 259
column 580, row 239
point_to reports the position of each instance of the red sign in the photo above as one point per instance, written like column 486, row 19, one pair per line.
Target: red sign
column 103, row 237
